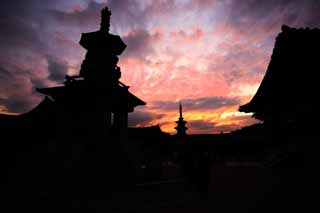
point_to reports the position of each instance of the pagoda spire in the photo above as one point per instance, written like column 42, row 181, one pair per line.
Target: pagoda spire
column 181, row 123
column 105, row 19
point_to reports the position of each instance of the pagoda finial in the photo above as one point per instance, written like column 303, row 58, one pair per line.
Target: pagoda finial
column 105, row 19
column 180, row 110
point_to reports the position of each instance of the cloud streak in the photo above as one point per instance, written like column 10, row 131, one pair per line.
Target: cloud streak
column 142, row 118
column 211, row 103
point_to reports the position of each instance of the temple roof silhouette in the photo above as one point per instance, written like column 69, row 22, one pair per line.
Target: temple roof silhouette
column 122, row 98
column 289, row 86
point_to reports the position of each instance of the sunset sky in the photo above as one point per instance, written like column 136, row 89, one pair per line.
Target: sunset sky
column 209, row 54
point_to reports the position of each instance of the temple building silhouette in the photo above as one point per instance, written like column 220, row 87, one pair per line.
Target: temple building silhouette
column 286, row 99
column 181, row 123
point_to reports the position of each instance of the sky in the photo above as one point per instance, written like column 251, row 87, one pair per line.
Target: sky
column 209, row 54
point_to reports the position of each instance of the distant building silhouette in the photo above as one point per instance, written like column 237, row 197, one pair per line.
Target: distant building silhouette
column 181, row 123
column 286, row 99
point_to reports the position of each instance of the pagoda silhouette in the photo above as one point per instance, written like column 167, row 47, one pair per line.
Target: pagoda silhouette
column 95, row 99
column 181, row 124
column 74, row 145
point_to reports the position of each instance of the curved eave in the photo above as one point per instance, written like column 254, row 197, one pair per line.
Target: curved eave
column 247, row 108
column 135, row 100
column 52, row 92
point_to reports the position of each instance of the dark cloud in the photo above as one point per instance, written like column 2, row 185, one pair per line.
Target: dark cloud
column 27, row 36
column 5, row 74
column 16, row 92
column 139, row 43
column 17, row 104
column 142, row 118
column 18, row 7
column 241, row 118
column 250, row 14
column 197, row 104
column 125, row 13
column 227, row 128
column 16, row 31
column 253, row 26
column 201, row 125
column 20, row 23
column 38, row 82
column 90, row 16
column 256, row 8
column 127, row 17
column 310, row 16
column 57, row 69
column 19, row 41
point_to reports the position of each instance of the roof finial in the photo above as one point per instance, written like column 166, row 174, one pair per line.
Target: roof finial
column 105, row 19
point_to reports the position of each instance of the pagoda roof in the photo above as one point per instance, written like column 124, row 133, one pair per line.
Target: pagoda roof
column 120, row 97
column 110, row 43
